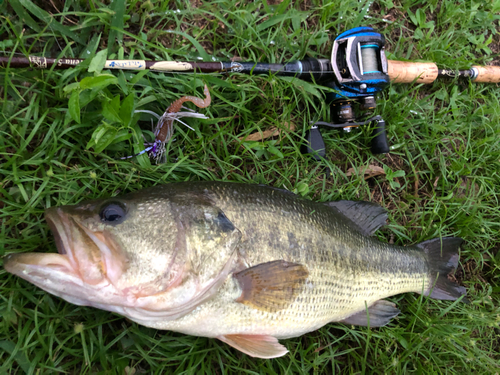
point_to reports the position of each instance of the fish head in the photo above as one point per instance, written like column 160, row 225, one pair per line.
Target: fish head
column 132, row 255
column 98, row 257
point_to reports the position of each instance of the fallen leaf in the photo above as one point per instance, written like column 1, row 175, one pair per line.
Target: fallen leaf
column 271, row 132
column 368, row 172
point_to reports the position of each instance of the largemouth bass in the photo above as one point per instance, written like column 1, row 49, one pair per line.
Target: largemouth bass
column 247, row 264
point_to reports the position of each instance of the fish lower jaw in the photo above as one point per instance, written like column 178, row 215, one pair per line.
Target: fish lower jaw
column 70, row 287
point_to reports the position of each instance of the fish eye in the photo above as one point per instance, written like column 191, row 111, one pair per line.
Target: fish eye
column 113, row 212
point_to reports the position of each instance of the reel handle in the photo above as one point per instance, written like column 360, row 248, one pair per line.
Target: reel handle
column 379, row 140
column 315, row 144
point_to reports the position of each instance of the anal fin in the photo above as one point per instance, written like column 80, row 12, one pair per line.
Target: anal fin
column 259, row 346
column 380, row 313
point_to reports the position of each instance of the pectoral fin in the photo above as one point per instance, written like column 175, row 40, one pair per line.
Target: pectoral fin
column 271, row 286
column 380, row 313
column 260, row 346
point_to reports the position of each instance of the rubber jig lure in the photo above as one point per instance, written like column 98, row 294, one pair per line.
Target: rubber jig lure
column 164, row 128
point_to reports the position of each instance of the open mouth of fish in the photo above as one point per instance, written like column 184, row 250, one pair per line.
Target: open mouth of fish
column 59, row 224
column 19, row 263
column 78, row 260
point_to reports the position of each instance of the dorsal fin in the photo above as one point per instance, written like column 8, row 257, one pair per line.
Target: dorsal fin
column 367, row 217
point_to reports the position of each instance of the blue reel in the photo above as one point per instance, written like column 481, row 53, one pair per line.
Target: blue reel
column 360, row 69
column 359, row 63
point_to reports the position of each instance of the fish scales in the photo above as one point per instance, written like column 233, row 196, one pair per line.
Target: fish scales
column 247, row 264
column 346, row 269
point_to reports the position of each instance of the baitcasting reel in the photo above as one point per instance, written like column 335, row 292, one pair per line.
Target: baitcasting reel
column 360, row 69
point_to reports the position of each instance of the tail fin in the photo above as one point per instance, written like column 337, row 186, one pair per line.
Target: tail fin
column 442, row 255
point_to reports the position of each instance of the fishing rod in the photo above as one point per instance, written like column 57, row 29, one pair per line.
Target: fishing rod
column 357, row 71
column 321, row 69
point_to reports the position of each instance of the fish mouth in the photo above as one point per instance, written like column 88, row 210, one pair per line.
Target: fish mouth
column 18, row 264
column 60, row 225
column 77, row 261
column 61, row 249
column 85, row 266
column 26, row 264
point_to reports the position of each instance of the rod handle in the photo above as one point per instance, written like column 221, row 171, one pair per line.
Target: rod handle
column 408, row 72
column 489, row 74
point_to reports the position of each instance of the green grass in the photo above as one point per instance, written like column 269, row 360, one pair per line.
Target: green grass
column 445, row 138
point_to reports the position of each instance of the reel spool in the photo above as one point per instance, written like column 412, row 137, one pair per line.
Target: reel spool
column 359, row 64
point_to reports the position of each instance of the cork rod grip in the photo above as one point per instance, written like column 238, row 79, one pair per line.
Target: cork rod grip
column 489, row 74
column 408, row 72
